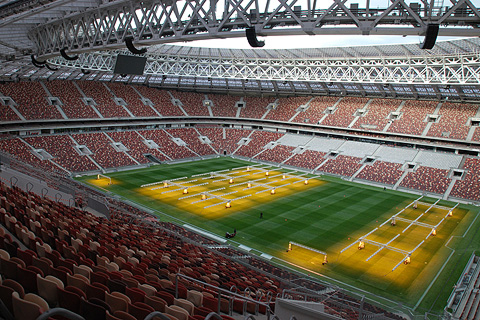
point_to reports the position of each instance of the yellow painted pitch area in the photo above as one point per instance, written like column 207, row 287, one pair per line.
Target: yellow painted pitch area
column 218, row 190
column 102, row 182
column 384, row 268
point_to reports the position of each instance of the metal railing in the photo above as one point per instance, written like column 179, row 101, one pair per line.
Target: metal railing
column 230, row 296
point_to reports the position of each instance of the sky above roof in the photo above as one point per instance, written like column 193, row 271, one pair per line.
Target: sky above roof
column 292, row 42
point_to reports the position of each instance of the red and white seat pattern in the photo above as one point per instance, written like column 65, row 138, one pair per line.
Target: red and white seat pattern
column 223, row 105
column 72, row 105
column 278, row 154
column 132, row 99
column 61, row 148
column 255, row 107
column 167, row 146
column 345, row 112
column 23, row 152
column 7, row 114
column 382, row 172
column 453, row 122
column 258, row 140
column 161, row 101
column 192, row 139
column 31, row 100
column 316, row 109
column 287, row 107
column 102, row 151
column 469, row 187
column 227, row 144
column 105, row 103
column 427, row 179
column 342, row 165
column 413, row 119
column 192, row 103
column 135, row 145
column 309, row 159
column 377, row 114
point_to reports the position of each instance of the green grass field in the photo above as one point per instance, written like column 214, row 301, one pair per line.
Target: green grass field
column 328, row 214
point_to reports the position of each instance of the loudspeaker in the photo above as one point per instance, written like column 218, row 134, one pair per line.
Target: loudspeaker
column 66, row 56
column 252, row 38
column 37, row 63
column 131, row 47
column 430, row 36
column 50, row 68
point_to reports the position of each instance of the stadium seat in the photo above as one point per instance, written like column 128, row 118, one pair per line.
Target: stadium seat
column 96, row 290
column 168, row 297
column 135, row 294
column 94, row 309
column 185, row 304
column 195, row 297
column 140, row 310
column 30, row 307
column 6, row 296
column 156, row 303
column 117, row 301
column 48, row 288
column 178, row 312
column 124, row 315
column 70, row 298
column 78, row 280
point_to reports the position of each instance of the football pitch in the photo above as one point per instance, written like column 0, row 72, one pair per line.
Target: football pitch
column 270, row 207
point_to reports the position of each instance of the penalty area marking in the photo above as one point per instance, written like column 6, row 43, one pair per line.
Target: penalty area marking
column 407, row 254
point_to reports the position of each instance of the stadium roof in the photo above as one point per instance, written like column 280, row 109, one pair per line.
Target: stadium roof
column 96, row 32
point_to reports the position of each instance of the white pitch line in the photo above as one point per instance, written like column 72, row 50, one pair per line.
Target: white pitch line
column 172, row 190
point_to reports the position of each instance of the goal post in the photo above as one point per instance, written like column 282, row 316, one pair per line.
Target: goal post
column 100, row 176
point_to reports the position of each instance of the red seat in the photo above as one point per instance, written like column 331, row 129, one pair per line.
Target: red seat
column 116, row 285
column 67, row 263
column 60, row 273
column 9, row 269
column 54, row 256
column 94, row 309
column 135, row 294
column 70, row 298
column 28, row 279
column 238, row 306
column 210, row 303
column 182, row 291
column 138, row 271
column 168, row 297
column 26, row 255
column 11, row 248
column 201, row 311
column 140, row 310
column 6, row 297
column 96, row 290
column 124, row 316
column 43, row 264
column 99, row 276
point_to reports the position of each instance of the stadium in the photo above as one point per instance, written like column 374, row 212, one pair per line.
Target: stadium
column 146, row 177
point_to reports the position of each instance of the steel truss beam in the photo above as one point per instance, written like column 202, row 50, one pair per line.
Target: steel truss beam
column 164, row 21
column 459, row 69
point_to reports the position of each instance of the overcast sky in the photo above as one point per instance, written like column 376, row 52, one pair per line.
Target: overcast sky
column 289, row 42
